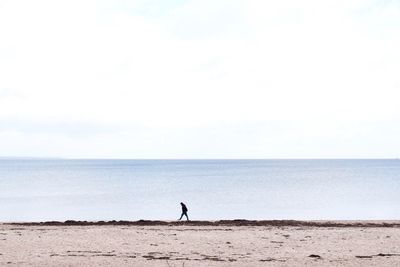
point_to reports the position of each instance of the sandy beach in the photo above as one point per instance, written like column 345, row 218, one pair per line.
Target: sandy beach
column 201, row 243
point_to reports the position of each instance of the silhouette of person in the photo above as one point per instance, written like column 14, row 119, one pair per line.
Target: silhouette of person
column 184, row 211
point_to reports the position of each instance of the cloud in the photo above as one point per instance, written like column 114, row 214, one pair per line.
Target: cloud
column 79, row 129
column 192, row 66
column 203, row 19
column 10, row 93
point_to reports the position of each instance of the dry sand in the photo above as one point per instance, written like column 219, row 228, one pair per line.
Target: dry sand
column 223, row 243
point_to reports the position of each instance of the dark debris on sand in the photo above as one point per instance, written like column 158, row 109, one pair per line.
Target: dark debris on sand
column 238, row 222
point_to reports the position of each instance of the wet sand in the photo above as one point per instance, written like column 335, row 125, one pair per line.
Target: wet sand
column 201, row 243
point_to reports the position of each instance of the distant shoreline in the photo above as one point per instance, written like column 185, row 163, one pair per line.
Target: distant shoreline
column 186, row 159
column 239, row 222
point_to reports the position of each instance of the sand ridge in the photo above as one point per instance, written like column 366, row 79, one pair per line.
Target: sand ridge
column 236, row 222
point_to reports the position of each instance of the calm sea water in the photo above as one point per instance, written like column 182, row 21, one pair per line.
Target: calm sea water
column 37, row 190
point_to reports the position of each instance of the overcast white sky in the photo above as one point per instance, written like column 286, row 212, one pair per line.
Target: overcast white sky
column 200, row 78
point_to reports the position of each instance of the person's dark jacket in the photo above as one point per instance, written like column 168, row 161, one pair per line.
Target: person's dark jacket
column 184, row 208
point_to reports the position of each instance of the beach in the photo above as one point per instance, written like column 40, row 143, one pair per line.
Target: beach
column 201, row 243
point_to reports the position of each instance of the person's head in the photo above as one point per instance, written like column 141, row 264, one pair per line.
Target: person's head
column 182, row 203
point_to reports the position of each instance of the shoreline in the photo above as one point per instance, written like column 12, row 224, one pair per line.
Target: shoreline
column 236, row 222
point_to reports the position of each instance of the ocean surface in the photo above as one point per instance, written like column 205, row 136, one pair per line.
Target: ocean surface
column 38, row 190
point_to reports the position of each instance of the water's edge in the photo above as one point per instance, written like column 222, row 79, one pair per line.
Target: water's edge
column 272, row 223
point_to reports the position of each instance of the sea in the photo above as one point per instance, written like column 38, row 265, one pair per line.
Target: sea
column 77, row 189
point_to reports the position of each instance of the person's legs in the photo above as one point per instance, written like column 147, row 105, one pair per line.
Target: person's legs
column 187, row 217
column 181, row 216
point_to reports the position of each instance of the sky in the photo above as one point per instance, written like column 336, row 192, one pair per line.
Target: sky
column 200, row 79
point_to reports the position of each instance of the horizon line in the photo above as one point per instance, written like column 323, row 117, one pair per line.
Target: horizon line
column 104, row 158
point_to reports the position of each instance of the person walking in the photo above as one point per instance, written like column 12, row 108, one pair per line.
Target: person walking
column 184, row 212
